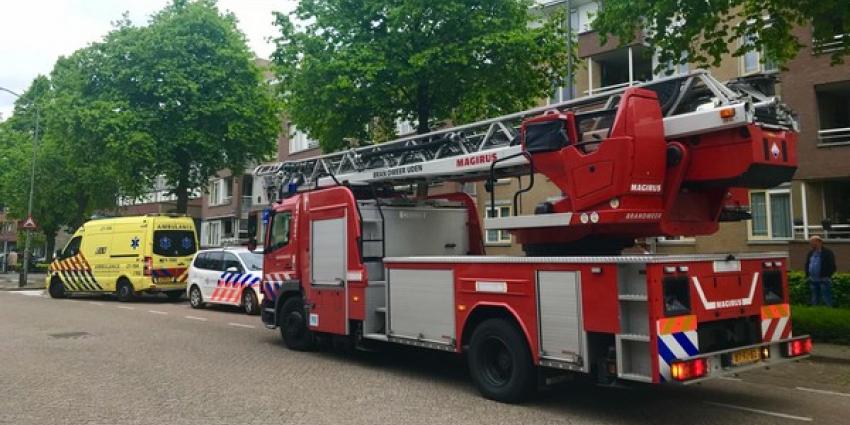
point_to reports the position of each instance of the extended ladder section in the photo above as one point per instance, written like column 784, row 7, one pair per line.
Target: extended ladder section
column 690, row 105
column 656, row 159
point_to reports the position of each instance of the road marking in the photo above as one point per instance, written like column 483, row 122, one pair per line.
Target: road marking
column 203, row 319
column 815, row 390
column 96, row 303
column 240, row 325
column 729, row 378
column 763, row 412
column 157, row 312
column 126, row 307
column 30, row 293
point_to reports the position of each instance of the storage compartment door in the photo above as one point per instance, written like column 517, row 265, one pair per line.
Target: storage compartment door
column 561, row 330
column 327, row 251
column 422, row 305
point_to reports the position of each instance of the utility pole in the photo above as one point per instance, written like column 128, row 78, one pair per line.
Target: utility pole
column 27, row 255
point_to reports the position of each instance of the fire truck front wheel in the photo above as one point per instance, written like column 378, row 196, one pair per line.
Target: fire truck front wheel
column 293, row 325
column 500, row 362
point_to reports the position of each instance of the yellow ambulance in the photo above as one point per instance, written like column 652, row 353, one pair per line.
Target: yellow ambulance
column 126, row 256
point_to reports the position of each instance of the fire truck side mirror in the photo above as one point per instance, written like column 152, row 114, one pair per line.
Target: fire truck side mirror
column 252, row 244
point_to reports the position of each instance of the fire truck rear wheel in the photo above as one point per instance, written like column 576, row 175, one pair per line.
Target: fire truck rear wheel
column 500, row 362
column 57, row 289
column 124, row 290
column 293, row 325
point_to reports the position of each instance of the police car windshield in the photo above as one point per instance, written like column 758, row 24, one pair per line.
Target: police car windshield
column 252, row 260
column 174, row 243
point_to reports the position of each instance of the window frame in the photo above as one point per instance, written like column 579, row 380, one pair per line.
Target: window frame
column 769, row 193
column 226, row 263
column 278, row 245
column 761, row 66
column 502, row 240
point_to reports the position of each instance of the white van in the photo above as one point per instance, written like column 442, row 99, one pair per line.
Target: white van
column 228, row 276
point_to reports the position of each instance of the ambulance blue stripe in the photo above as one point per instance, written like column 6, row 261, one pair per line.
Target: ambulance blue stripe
column 665, row 352
column 686, row 344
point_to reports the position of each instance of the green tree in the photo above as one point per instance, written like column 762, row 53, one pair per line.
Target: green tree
column 180, row 98
column 367, row 63
column 702, row 32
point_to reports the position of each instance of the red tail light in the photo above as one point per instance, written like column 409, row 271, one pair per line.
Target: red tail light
column 799, row 347
column 148, row 266
column 691, row 369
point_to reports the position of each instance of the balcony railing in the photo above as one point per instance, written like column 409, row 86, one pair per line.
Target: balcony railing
column 603, row 89
column 834, row 136
column 830, row 44
column 835, row 231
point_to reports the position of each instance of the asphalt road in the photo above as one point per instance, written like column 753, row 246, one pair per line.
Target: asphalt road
column 97, row 361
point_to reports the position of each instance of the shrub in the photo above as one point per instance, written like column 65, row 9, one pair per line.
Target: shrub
column 822, row 323
column 799, row 292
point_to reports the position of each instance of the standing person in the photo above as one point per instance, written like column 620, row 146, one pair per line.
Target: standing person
column 12, row 260
column 820, row 266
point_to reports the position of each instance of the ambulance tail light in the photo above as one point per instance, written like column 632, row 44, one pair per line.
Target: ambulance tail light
column 687, row 370
column 148, row 266
column 798, row 347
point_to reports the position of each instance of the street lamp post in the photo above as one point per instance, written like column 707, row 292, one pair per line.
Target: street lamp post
column 27, row 255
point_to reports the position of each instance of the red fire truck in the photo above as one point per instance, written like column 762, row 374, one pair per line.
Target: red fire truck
column 357, row 251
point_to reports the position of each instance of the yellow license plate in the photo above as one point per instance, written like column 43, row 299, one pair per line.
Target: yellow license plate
column 750, row 355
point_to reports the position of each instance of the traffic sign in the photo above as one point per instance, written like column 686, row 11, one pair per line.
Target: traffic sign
column 29, row 224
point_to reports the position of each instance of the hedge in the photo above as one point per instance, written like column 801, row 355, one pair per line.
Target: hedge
column 800, row 293
column 824, row 324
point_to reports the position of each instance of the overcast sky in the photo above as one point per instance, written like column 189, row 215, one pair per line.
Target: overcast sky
column 34, row 33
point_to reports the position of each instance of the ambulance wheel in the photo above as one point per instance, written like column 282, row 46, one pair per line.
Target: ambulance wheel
column 249, row 302
column 195, row 298
column 293, row 325
column 57, row 289
column 124, row 291
column 500, row 362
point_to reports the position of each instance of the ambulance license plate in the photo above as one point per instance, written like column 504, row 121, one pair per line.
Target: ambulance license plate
column 750, row 355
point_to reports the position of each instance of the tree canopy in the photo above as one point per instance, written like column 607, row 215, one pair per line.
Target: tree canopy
column 357, row 67
column 702, row 32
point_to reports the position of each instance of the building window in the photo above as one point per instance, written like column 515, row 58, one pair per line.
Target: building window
column 833, row 113
column 755, row 61
column 771, row 211
column 211, row 233
column 668, row 69
column 562, row 94
column 299, row 141
column 220, row 191
column 581, row 17
column 498, row 237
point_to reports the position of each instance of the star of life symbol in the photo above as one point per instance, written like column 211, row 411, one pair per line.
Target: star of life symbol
column 134, row 243
column 775, row 150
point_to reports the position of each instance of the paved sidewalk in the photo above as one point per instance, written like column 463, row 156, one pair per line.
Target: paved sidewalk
column 9, row 281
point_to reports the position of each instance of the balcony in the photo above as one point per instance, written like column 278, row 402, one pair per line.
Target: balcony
column 833, row 100
column 623, row 67
column 831, row 44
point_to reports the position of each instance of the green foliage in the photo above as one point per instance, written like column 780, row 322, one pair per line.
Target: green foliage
column 180, row 98
column 358, row 67
column 800, row 292
column 822, row 323
column 702, row 32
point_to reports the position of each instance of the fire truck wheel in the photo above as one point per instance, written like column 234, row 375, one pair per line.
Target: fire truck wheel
column 293, row 325
column 124, row 291
column 196, row 300
column 249, row 302
column 500, row 362
column 57, row 290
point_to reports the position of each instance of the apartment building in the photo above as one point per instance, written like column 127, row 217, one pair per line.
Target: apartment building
column 8, row 236
column 816, row 202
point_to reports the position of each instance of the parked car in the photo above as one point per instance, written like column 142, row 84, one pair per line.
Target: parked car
column 228, row 276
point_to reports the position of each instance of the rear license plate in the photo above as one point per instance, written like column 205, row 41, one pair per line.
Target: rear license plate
column 750, row 355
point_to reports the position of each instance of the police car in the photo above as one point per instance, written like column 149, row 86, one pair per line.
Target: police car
column 228, row 276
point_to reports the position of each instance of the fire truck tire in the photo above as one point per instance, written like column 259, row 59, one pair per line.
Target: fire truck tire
column 57, row 290
column 124, row 291
column 293, row 325
column 249, row 302
column 500, row 362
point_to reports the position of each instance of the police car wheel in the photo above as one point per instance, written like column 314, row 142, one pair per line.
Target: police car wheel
column 124, row 291
column 195, row 298
column 249, row 302
column 56, row 289
column 293, row 325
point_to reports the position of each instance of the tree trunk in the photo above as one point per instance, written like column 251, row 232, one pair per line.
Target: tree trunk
column 49, row 244
column 182, row 192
